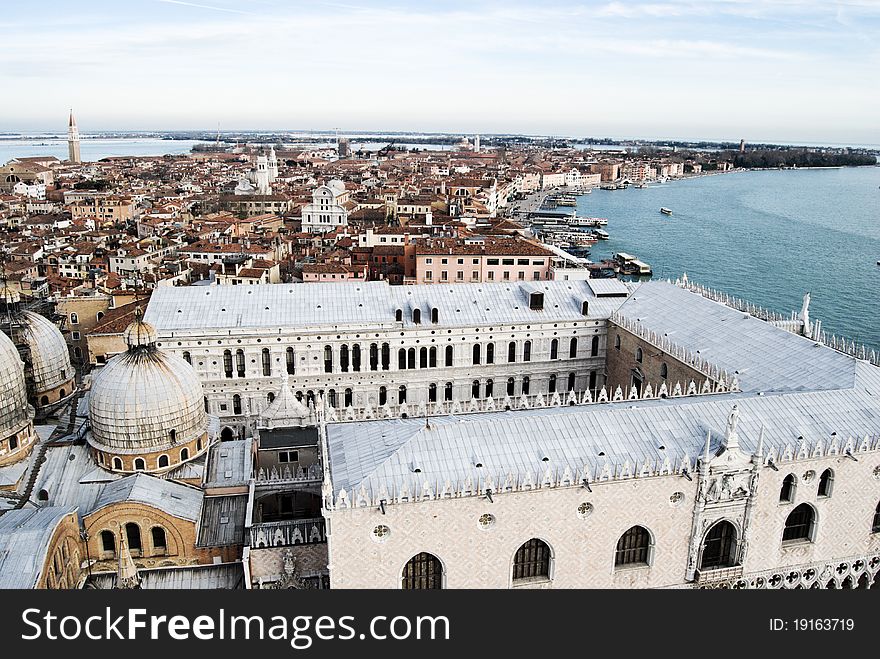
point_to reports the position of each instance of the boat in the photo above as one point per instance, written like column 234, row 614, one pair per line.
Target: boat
column 600, row 234
column 666, row 211
column 631, row 265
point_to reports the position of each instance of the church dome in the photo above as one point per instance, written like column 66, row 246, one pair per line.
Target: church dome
column 146, row 401
column 14, row 409
column 49, row 359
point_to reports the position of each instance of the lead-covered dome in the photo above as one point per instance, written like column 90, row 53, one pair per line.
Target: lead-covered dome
column 50, row 366
column 147, row 402
column 14, row 408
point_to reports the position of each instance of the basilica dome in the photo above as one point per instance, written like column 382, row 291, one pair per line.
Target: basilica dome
column 49, row 367
column 14, row 409
column 146, row 407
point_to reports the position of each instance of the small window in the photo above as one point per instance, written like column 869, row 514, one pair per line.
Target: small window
column 158, row 537
column 787, row 491
column 594, row 347
column 573, row 348
column 108, row 542
column 826, row 481
column 163, row 461
column 639, row 355
column 617, row 342
column 664, row 371
column 133, row 535
column 117, row 464
column 288, row 456
column 554, row 349
column 139, row 464
column 184, row 454
column 417, row 316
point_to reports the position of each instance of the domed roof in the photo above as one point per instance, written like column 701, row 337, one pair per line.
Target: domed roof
column 50, row 360
column 142, row 395
column 14, row 409
column 140, row 333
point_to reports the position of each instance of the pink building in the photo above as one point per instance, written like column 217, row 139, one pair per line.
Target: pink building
column 483, row 259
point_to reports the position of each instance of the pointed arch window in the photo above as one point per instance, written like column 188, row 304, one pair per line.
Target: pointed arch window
column 594, row 347
column 450, row 355
column 527, row 351
column 788, row 489
column 573, row 348
column 490, row 353
column 511, row 352
column 532, row 561
column 826, row 483
column 800, row 525
column 719, row 546
column 554, row 349
column 477, row 354
column 423, row 571
column 633, row 548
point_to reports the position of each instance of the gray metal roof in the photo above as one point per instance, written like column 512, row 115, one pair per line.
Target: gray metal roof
column 71, row 478
column 763, row 357
column 230, row 464
column 185, row 308
column 24, row 539
column 377, row 454
column 226, row 576
column 222, row 521
column 608, row 287
column 173, row 498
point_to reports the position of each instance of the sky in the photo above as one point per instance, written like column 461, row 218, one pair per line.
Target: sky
column 762, row 70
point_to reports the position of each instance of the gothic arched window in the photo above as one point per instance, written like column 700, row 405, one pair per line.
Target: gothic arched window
column 633, row 547
column 826, row 483
column 423, row 571
column 719, row 546
column 800, row 524
column 787, row 491
column 532, row 560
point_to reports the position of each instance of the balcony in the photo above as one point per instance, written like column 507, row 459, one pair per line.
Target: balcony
column 719, row 575
column 288, row 533
column 286, row 476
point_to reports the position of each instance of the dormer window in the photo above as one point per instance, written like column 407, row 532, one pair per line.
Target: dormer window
column 398, row 315
column 585, row 308
column 536, row 301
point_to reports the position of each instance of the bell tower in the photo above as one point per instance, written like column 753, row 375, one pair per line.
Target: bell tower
column 73, row 141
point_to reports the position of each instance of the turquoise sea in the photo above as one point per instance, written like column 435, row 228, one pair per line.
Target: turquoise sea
column 766, row 236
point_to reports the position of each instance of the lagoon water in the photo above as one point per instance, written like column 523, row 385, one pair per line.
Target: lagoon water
column 92, row 149
column 766, row 236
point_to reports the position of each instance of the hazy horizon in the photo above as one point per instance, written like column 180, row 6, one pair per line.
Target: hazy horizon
column 781, row 71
